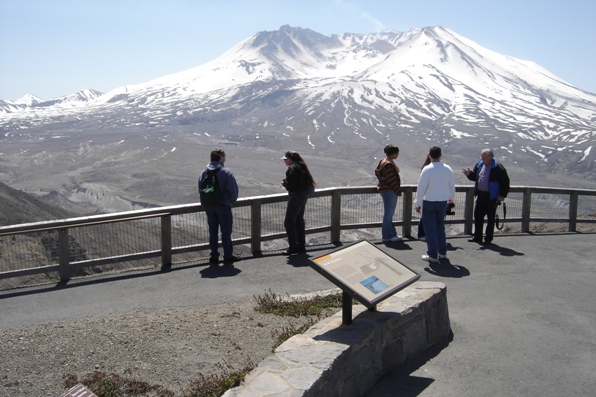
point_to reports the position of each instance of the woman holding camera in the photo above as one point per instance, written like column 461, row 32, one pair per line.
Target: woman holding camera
column 298, row 183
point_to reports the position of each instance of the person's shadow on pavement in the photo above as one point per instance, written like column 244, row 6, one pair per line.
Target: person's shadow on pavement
column 299, row 260
column 501, row 250
column 216, row 270
column 445, row 269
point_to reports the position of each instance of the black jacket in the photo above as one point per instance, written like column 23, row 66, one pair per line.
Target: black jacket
column 498, row 180
column 296, row 179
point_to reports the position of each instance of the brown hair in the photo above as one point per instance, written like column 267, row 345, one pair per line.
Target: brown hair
column 217, row 154
column 295, row 157
column 426, row 162
column 391, row 150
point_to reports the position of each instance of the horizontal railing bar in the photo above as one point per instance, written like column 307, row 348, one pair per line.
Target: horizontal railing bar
column 28, row 272
column 116, row 259
column 75, row 222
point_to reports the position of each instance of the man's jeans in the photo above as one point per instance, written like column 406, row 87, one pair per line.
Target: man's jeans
column 389, row 204
column 220, row 216
column 433, row 218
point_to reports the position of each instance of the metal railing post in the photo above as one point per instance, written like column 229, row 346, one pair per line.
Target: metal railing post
column 408, row 202
column 335, row 216
column 166, row 242
column 63, row 254
column 573, row 204
column 255, row 226
column 526, row 209
column 469, row 211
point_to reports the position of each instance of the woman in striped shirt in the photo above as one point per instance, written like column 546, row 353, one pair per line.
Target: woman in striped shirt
column 389, row 187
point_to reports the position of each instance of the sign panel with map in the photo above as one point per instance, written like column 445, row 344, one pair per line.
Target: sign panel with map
column 365, row 272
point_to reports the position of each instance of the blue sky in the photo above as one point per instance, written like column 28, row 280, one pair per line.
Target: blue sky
column 51, row 48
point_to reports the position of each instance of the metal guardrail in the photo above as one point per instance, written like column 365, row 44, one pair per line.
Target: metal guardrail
column 49, row 247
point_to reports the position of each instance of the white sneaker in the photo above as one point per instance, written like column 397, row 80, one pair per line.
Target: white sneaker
column 442, row 256
column 429, row 258
column 396, row 238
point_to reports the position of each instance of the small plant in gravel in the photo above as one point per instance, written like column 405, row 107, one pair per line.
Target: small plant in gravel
column 290, row 330
column 296, row 307
column 215, row 385
column 114, row 385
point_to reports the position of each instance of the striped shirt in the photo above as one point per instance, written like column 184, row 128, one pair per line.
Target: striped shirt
column 388, row 175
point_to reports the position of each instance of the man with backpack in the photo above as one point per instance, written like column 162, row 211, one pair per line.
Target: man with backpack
column 218, row 191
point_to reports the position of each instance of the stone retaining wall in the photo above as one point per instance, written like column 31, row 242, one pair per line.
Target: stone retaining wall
column 332, row 359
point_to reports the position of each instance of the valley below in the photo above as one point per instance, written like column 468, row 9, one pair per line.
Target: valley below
column 107, row 171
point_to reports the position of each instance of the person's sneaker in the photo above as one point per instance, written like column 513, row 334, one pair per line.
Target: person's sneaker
column 396, row 238
column 475, row 240
column 231, row 259
column 442, row 256
column 429, row 258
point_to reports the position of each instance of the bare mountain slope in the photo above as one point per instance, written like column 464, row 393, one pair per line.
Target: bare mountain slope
column 18, row 207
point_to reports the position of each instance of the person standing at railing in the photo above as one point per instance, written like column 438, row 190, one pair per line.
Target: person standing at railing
column 436, row 186
column 219, row 214
column 300, row 184
column 389, row 186
column 491, row 187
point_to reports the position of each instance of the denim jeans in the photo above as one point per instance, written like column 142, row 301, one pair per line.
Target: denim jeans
column 433, row 218
column 220, row 216
column 389, row 204
column 294, row 221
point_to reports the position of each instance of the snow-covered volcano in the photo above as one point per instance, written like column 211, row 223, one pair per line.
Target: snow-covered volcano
column 343, row 95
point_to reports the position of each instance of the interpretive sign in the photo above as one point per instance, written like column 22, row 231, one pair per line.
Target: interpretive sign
column 364, row 272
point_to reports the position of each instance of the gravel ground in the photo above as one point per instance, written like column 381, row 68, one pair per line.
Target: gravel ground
column 166, row 347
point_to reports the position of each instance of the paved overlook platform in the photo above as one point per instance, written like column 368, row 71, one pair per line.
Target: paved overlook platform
column 522, row 310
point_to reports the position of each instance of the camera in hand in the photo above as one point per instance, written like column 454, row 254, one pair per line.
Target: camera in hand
column 450, row 209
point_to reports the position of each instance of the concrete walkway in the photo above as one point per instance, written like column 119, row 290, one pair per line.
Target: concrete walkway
column 523, row 310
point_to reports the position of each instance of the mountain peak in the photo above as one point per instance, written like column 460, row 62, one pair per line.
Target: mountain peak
column 28, row 100
column 428, row 84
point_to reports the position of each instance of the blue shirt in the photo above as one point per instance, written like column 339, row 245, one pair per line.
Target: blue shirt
column 483, row 178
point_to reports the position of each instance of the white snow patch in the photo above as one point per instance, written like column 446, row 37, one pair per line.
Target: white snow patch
column 586, row 153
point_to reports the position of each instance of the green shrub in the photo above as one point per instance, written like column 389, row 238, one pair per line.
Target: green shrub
column 296, row 307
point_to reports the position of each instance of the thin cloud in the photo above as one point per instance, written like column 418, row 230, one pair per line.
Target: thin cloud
column 355, row 10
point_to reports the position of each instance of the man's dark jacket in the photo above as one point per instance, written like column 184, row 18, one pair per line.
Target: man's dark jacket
column 498, row 181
